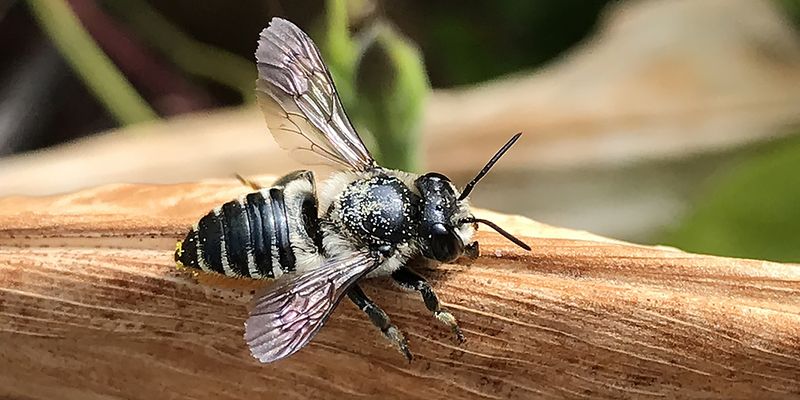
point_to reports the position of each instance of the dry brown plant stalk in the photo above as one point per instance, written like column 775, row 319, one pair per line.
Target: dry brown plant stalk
column 92, row 307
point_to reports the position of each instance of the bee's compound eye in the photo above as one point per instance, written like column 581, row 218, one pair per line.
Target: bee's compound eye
column 445, row 244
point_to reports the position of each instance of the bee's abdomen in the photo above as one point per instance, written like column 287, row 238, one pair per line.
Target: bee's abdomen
column 248, row 237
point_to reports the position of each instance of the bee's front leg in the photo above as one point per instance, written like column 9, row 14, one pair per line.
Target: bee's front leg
column 380, row 319
column 409, row 279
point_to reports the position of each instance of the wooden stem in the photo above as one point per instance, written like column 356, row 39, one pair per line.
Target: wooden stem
column 91, row 306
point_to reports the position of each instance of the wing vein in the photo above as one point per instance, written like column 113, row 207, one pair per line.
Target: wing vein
column 287, row 315
column 294, row 79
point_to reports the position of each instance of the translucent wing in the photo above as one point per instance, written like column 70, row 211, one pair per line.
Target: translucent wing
column 290, row 312
column 299, row 101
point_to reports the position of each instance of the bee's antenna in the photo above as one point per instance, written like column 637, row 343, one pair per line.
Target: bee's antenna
column 499, row 230
column 488, row 166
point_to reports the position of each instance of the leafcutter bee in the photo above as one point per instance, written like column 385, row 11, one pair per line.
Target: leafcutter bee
column 365, row 220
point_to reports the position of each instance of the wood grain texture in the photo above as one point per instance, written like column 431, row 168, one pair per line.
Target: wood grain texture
column 91, row 307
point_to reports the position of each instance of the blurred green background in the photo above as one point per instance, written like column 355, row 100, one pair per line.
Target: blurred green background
column 78, row 67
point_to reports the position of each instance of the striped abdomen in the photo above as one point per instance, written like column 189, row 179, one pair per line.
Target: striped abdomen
column 256, row 236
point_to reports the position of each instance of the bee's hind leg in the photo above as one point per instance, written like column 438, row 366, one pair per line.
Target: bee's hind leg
column 380, row 319
column 409, row 279
column 248, row 182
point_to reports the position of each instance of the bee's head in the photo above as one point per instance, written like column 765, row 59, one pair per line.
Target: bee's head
column 446, row 224
column 439, row 232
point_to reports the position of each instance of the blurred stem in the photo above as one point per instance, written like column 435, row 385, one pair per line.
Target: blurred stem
column 341, row 53
column 392, row 87
column 339, row 46
column 97, row 71
column 382, row 82
column 409, row 95
column 194, row 57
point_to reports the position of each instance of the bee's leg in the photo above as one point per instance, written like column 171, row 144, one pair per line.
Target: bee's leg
column 472, row 251
column 379, row 319
column 248, row 182
column 409, row 279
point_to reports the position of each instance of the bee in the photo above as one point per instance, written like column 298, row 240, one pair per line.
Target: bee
column 365, row 221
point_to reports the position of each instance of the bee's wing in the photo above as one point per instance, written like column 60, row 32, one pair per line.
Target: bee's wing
column 299, row 101
column 287, row 314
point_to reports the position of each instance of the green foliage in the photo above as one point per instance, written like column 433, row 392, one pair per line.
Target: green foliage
column 792, row 9
column 381, row 79
column 392, row 87
column 341, row 51
column 86, row 58
column 752, row 211
column 484, row 40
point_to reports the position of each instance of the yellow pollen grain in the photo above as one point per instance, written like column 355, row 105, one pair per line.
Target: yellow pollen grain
column 179, row 252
